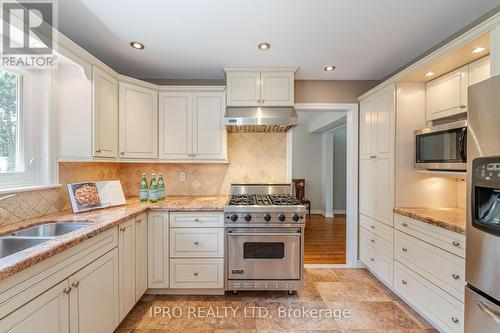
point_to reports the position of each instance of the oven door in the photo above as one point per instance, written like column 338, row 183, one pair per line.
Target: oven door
column 442, row 147
column 264, row 253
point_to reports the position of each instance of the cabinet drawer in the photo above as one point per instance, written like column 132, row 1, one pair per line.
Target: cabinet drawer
column 196, row 220
column 199, row 242
column 442, row 268
column 445, row 239
column 443, row 310
column 377, row 262
column 379, row 228
column 197, row 273
column 379, row 243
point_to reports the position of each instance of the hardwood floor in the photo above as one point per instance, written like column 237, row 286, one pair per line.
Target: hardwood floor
column 325, row 240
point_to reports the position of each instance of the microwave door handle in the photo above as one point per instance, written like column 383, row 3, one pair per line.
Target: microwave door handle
column 462, row 144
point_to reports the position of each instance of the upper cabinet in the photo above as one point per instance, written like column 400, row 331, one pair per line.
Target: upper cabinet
column 105, row 106
column 447, row 95
column 260, row 87
column 191, row 126
column 138, row 119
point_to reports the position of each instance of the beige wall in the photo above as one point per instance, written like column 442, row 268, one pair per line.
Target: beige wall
column 254, row 157
column 331, row 91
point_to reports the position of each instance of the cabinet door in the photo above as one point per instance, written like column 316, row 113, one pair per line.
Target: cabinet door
column 141, row 256
column 277, row 88
column 383, row 162
column 447, row 95
column 366, row 114
column 366, row 156
column 158, row 260
column 243, row 88
column 138, row 122
column 126, row 264
column 105, row 103
column 479, row 70
column 366, row 186
column 94, row 296
column 175, row 128
column 209, row 133
column 47, row 313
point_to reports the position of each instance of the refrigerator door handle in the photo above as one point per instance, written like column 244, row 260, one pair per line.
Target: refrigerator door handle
column 495, row 316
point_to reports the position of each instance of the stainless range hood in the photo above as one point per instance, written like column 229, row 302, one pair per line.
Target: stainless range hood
column 260, row 119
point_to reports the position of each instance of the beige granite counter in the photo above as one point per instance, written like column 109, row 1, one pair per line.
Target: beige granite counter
column 102, row 220
column 448, row 218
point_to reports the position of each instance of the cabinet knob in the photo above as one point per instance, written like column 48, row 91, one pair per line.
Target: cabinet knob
column 372, row 226
column 404, row 249
column 404, row 224
column 455, row 276
column 463, row 106
column 197, row 220
column 195, row 242
column 122, row 229
column 372, row 259
column 455, row 243
column 122, row 153
column 404, row 282
column 67, row 290
column 372, row 240
column 195, row 273
column 98, row 151
column 75, row 284
column 455, row 320
column 139, row 220
column 262, row 101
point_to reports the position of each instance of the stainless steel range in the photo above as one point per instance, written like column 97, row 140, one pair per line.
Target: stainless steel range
column 264, row 238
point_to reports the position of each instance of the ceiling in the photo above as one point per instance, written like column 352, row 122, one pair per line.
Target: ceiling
column 195, row 39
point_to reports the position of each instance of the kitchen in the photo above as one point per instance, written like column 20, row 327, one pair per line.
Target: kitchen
column 222, row 248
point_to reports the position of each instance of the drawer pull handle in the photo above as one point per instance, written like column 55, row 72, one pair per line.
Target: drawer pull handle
column 404, row 224
column 455, row 243
column 454, row 320
column 197, row 220
column 455, row 276
column 404, row 282
column 372, row 240
column 404, row 249
column 195, row 242
column 372, row 259
column 372, row 226
column 489, row 312
column 195, row 273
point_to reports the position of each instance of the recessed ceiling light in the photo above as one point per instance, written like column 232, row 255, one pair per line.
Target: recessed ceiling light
column 329, row 68
column 264, row 46
column 137, row 45
column 478, row 50
column 429, row 74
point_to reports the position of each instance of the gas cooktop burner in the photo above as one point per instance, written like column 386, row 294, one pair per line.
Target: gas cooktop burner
column 263, row 200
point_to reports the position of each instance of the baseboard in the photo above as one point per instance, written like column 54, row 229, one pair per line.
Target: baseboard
column 339, row 211
column 326, row 266
column 317, row 211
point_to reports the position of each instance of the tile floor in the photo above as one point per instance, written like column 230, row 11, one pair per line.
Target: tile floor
column 345, row 300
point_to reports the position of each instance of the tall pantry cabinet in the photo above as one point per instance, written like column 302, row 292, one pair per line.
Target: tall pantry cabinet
column 376, row 181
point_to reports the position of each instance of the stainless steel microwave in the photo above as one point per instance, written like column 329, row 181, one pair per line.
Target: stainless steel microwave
column 442, row 147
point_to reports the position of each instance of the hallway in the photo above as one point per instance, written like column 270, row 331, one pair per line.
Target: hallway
column 325, row 240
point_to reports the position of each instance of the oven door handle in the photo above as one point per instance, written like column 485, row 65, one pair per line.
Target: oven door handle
column 232, row 233
column 495, row 316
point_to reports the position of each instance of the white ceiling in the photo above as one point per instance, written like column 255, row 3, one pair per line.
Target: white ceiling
column 194, row 39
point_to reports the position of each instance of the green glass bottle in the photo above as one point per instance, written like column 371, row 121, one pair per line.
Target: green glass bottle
column 143, row 189
column 153, row 189
column 161, row 188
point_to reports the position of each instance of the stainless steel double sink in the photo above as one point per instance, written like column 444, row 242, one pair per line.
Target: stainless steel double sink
column 32, row 236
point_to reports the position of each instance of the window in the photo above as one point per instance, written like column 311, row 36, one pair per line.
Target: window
column 10, row 122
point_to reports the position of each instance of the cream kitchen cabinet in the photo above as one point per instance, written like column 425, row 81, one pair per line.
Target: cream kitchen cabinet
column 105, row 118
column 192, row 126
column 126, row 250
column 479, row 70
column 158, row 257
column 138, row 121
column 141, row 255
column 376, row 167
column 93, row 297
column 260, row 87
column 47, row 313
column 447, row 95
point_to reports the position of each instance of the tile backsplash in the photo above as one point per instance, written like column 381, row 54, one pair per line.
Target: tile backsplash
column 253, row 157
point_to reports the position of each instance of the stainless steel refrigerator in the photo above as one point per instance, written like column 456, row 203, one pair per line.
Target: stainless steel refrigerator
column 482, row 269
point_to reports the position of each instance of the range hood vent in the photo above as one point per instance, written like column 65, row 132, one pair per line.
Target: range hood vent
column 260, row 119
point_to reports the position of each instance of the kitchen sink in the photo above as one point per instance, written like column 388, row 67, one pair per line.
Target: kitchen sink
column 51, row 229
column 11, row 245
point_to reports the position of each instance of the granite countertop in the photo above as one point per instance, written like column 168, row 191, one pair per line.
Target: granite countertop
column 102, row 220
column 447, row 218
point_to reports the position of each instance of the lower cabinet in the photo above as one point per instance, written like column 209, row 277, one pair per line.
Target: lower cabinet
column 126, row 249
column 93, row 296
column 47, row 313
column 158, row 260
column 141, row 255
column 197, row 273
